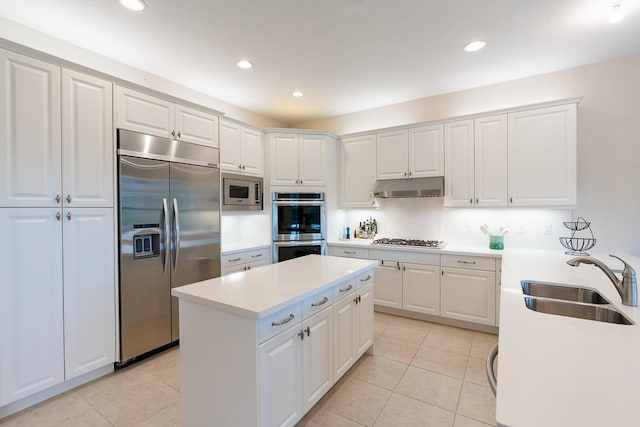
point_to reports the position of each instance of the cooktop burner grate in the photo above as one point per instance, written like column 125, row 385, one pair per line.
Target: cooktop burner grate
column 411, row 242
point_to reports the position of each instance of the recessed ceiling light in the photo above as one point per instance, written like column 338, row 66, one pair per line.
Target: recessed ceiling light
column 616, row 14
column 475, row 46
column 136, row 5
column 297, row 94
column 244, row 64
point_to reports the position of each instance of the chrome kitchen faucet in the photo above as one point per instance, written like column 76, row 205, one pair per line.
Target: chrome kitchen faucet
column 627, row 287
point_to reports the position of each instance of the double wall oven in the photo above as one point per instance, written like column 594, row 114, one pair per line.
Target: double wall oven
column 299, row 225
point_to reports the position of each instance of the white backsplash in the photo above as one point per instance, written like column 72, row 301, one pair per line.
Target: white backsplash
column 427, row 218
column 246, row 230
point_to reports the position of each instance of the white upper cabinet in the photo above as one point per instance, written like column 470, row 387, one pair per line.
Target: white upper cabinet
column 357, row 171
column 196, row 126
column 392, row 150
column 491, row 161
column 298, row 159
column 459, row 163
column 241, row 149
column 542, row 156
column 147, row 114
column 426, row 151
column 87, row 141
column 30, row 150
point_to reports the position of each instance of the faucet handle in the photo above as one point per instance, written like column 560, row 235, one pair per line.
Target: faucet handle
column 628, row 270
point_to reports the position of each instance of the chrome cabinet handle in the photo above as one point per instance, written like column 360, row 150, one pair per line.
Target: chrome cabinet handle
column 471, row 200
column 58, row 198
column 58, row 216
column 165, row 226
column 244, row 167
column 173, row 133
column 476, row 201
column 301, row 335
column 355, row 300
column 179, row 134
column 308, row 331
column 466, row 262
column 247, row 268
column 234, row 260
column 176, row 237
column 283, row 321
column 321, row 302
column 348, row 288
column 491, row 375
column 349, row 252
column 398, row 264
column 510, row 199
column 256, row 256
column 68, row 198
column 366, row 278
column 300, row 181
column 69, row 216
column 239, row 166
column 405, row 174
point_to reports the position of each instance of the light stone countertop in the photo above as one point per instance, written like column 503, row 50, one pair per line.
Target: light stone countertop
column 258, row 292
column 449, row 249
column 231, row 249
column 561, row 371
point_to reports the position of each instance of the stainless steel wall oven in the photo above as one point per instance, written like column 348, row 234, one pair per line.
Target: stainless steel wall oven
column 299, row 225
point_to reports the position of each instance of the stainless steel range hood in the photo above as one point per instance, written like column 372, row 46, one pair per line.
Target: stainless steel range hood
column 411, row 187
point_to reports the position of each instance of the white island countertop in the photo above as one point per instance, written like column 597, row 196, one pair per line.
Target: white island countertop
column 259, row 292
column 561, row 371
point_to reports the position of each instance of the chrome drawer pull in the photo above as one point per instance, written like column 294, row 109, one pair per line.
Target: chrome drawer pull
column 321, row 302
column 256, row 256
column 466, row 262
column 234, row 260
column 349, row 252
column 365, row 279
column 348, row 288
column 283, row 321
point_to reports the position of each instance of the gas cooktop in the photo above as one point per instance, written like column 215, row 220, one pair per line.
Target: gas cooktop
column 435, row 244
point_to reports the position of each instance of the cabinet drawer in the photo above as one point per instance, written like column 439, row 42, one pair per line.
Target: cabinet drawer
column 364, row 280
column 476, row 263
column 350, row 252
column 234, row 259
column 405, row 256
column 343, row 289
column 279, row 321
column 317, row 302
column 257, row 255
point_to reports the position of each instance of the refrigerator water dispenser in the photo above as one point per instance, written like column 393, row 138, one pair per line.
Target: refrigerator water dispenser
column 146, row 245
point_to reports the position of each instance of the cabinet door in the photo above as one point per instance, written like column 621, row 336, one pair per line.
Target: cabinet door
column 421, row 288
column 491, row 161
column 426, row 151
column 30, row 132
column 284, row 159
column 280, row 383
column 392, row 154
column 230, row 146
column 388, row 284
column 313, row 159
column 364, row 321
column 31, row 354
column 252, row 152
column 357, row 171
column 196, row 126
column 146, row 114
column 317, row 358
column 459, row 163
column 542, row 157
column 469, row 295
column 344, row 336
column 89, row 290
column 87, row 141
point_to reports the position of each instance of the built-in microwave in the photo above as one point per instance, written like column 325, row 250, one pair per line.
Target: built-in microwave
column 241, row 192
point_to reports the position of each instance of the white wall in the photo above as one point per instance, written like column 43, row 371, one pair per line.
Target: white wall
column 608, row 138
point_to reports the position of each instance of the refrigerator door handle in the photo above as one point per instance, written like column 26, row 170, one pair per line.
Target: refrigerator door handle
column 165, row 228
column 176, row 236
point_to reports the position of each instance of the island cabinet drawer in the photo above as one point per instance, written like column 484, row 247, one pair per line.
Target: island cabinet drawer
column 317, row 302
column 349, row 252
column 234, row 259
column 278, row 322
column 364, row 280
column 476, row 263
column 405, row 256
column 343, row 289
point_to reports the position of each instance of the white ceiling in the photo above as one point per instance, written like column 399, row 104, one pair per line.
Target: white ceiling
column 345, row 55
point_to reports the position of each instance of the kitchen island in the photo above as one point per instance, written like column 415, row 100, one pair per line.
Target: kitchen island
column 261, row 347
column 563, row 371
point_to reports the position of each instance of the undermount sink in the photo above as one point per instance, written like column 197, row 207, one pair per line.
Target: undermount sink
column 562, row 292
column 599, row 312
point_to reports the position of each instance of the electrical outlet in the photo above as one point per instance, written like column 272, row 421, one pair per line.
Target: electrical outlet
column 467, row 228
column 548, row 230
column 522, row 229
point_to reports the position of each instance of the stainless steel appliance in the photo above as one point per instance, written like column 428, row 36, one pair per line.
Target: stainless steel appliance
column 240, row 192
column 433, row 244
column 169, row 222
column 410, row 187
column 299, row 225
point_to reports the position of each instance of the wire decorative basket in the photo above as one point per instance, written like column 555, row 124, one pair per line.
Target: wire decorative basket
column 578, row 245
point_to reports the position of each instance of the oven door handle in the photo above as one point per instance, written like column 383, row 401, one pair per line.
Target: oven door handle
column 300, row 243
column 298, row 203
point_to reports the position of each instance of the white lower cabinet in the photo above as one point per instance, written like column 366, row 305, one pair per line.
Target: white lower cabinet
column 388, row 284
column 317, row 358
column 364, row 320
column 421, row 288
column 344, row 317
column 244, row 260
column 469, row 295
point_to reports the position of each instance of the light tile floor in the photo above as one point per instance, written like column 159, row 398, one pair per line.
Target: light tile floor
column 420, row 374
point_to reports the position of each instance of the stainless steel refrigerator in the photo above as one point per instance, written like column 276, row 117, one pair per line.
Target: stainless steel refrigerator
column 169, row 233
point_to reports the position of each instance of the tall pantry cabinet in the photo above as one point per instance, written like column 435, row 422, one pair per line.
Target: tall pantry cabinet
column 57, row 266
